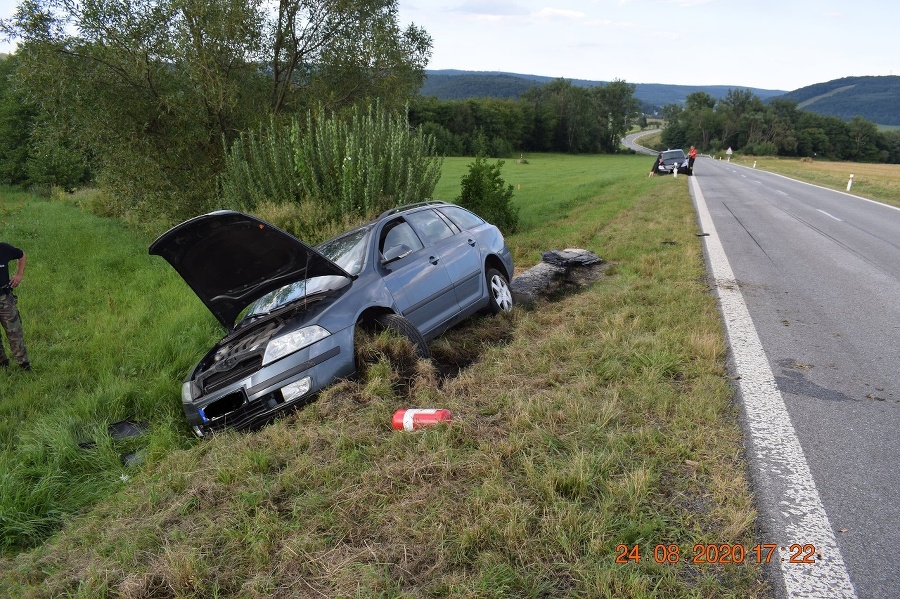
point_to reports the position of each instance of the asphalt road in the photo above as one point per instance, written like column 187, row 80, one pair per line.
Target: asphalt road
column 819, row 272
column 632, row 141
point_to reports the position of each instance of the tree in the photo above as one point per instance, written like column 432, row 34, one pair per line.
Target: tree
column 863, row 135
column 741, row 121
column 156, row 90
column 616, row 110
column 340, row 53
column 675, row 134
column 16, row 122
column 737, row 104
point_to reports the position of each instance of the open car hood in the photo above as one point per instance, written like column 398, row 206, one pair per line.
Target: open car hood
column 231, row 259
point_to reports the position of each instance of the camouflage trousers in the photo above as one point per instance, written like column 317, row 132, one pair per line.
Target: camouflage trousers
column 12, row 324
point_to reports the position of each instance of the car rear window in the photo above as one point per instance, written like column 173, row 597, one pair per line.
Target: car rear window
column 432, row 227
column 461, row 218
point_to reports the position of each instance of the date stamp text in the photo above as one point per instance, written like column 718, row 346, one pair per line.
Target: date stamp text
column 720, row 553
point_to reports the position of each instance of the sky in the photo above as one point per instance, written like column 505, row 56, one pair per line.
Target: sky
column 766, row 44
column 778, row 45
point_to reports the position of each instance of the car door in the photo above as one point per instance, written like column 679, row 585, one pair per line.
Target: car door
column 416, row 278
column 459, row 252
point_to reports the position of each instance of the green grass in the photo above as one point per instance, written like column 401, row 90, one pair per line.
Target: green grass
column 598, row 419
column 557, row 196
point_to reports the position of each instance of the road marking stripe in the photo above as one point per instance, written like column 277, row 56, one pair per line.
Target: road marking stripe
column 849, row 195
column 831, row 215
column 773, row 444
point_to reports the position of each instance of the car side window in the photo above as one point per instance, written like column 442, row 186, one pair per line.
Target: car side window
column 398, row 233
column 462, row 218
column 430, row 225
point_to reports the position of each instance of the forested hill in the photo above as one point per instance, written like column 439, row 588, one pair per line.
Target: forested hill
column 876, row 99
column 458, row 85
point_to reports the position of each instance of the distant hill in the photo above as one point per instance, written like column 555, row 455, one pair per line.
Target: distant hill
column 876, row 99
column 458, row 85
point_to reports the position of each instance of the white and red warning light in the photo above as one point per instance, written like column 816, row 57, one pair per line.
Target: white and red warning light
column 416, row 418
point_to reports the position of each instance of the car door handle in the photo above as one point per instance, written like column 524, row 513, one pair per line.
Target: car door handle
column 472, row 242
column 434, row 259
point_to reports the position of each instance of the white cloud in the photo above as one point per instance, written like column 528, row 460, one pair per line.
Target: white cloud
column 688, row 3
column 558, row 14
column 491, row 8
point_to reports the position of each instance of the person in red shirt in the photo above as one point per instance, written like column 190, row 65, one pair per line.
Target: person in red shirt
column 692, row 155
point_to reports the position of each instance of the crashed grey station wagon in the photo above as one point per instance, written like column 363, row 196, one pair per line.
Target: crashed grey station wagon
column 291, row 310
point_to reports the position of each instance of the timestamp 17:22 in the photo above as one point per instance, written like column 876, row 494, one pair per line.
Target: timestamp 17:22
column 722, row 553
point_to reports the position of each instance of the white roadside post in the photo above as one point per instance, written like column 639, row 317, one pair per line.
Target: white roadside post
column 850, row 183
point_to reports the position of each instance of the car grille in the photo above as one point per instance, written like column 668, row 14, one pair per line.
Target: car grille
column 212, row 380
column 237, row 358
column 231, row 410
column 224, row 405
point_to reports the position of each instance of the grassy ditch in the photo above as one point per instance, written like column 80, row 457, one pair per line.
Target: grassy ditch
column 592, row 421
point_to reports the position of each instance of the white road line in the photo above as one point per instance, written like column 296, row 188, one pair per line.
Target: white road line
column 773, row 444
column 831, row 215
column 849, row 195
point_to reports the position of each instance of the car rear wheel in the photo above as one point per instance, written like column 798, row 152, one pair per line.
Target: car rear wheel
column 402, row 326
column 501, row 299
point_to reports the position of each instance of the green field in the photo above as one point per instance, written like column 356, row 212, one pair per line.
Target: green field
column 583, row 426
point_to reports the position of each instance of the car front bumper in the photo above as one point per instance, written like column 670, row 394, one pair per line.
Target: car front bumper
column 289, row 382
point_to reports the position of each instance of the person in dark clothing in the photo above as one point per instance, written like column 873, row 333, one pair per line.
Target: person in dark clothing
column 656, row 164
column 9, row 312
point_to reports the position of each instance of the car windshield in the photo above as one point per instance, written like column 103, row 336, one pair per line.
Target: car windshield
column 673, row 154
column 347, row 251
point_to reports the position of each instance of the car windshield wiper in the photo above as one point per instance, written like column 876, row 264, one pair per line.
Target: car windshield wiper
column 282, row 308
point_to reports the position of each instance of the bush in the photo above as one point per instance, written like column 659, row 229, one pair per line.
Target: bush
column 446, row 143
column 763, row 148
column 260, row 169
column 365, row 163
column 335, row 169
column 485, row 193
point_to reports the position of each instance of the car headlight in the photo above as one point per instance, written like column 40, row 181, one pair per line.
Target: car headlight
column 294, row 341
column 189, row 391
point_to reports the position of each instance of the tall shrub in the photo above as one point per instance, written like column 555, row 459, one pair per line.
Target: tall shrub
column 259, row 168
column 485, row 193
column 334, row 169
column 367, row 162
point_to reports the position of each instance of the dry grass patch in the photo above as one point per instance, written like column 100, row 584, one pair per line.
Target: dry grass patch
column 880, row 182
column 598, row 419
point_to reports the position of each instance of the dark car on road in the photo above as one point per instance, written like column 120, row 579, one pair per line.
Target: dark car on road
column 673, row 160
column 291, row 310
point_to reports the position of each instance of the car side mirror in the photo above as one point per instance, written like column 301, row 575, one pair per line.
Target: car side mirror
column 395, row 253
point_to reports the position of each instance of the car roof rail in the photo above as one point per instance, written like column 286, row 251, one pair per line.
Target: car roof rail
column 399, row 209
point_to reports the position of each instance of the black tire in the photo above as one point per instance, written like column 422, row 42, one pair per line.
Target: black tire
column 399, row 324
column 500, row 294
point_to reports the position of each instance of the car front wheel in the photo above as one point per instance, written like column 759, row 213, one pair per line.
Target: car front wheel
column 402, row 326
column 501, row 299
